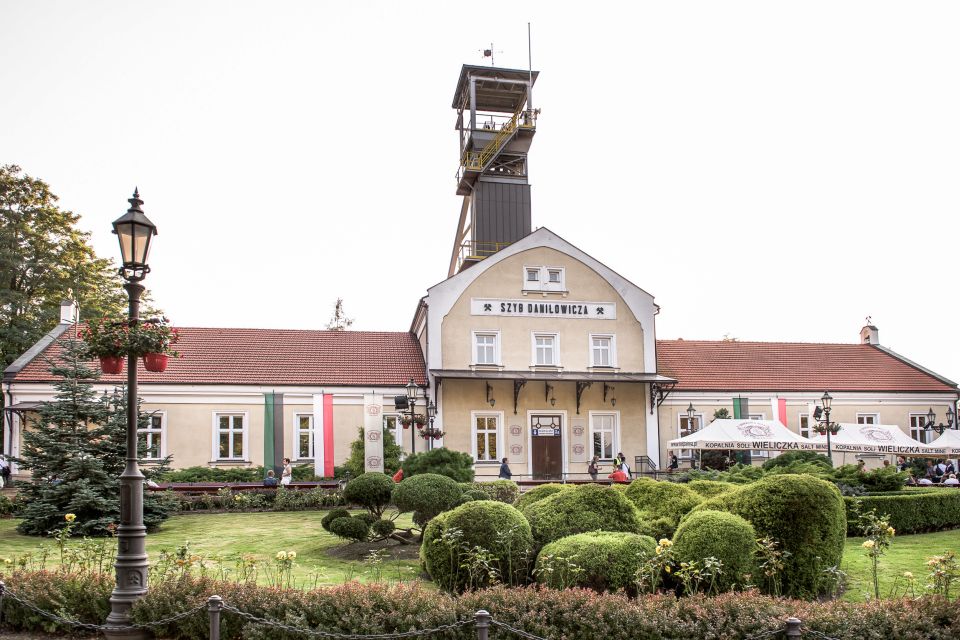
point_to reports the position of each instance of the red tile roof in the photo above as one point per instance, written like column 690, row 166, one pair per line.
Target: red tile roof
column 274, row 357
column 702, row 365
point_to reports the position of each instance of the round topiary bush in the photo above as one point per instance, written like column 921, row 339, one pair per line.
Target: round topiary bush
column 350, row 528
column 383, row 528
column 442, row 461
column 589, row 507
column 370, row 490
column 658, row 528
column 464, row 548
column 599, row 560
column 710, row 488
column 427, row 495
column 477, row 494
column 657, row 499
column 500, row 490
column 805, row 515
column 724, row 536
column 332, row 515
column 369, row 518
column 539, row 493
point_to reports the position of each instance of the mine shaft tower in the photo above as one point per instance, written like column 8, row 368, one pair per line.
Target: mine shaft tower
column 496, row 122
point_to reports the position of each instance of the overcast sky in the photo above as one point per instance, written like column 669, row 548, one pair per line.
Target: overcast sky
column 767, row 170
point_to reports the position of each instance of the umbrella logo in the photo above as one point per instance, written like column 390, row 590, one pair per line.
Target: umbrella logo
column 755, row 430
column 877, row 435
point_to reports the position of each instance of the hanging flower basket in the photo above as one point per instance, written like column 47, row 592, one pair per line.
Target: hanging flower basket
column 156, row 362
column 835, row 430
column 419, row 419
column 106, row 337
column 431, row 432
column 111, row 364
column 821, row 430
column 153, row 338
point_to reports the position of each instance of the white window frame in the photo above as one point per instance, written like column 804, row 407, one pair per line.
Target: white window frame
column 496, row 348
column 687, row 454
column 875, row 416
column 615, row 432
column 613, row 351
column 532, row 285
column 924, row 434
column 297, row 432
column 542, row 283
column 499, row 435
column 556, row 349
column 810, row 424
column 149, row 431
column 397, row 429
column 554, row 286
column 758, row 453
column 245, row 434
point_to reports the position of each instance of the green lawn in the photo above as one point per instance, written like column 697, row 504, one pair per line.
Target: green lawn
column 906, row 553
column 227, row 535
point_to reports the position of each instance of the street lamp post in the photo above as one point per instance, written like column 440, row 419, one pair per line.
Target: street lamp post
column 826, row 400
column 691, row 416
column 940, row 428
column 431, row 414
column 412, row 389
column 135, row 232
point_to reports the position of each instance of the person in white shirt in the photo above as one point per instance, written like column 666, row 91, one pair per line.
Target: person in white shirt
column 924, row 481
column 952, row 479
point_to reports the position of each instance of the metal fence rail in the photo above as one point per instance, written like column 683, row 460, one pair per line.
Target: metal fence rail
column 482, row 622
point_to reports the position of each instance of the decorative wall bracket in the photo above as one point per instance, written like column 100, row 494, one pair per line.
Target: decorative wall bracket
column 658, row 393
column 517, row 385
column 580, row 388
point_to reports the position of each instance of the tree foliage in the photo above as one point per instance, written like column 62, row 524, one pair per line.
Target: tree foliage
column 76, row 450
column 45, row 259
column 391, row 454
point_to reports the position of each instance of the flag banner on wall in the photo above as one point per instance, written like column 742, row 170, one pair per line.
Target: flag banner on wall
column 323, row 435
column 741, row 408
column 779, row 407
column 373, row 432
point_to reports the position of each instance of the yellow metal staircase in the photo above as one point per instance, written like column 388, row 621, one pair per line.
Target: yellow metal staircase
column 480, row 160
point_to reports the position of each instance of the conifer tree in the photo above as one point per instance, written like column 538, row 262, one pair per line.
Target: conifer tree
column 75, row 450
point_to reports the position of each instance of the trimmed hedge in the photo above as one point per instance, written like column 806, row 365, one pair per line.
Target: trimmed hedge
column 379, row 608
column 657, row 499
column 506, row 491
column 443, row 461
column 604, row 560
column 914, row 511
column 724, row 536
column 427, row 495
column 538, row 493
column 453, row 539
column 589, row 507
column 710, row 488
column 805, row 515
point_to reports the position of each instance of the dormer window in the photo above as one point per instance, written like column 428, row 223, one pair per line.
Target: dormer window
column 533, row 276
column 544, row 279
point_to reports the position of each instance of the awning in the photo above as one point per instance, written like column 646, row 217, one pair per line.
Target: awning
column 552, row 376
column 877, row 438
column 949, row 441
column 746, row 435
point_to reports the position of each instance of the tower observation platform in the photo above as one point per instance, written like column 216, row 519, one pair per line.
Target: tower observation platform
column 496, row 122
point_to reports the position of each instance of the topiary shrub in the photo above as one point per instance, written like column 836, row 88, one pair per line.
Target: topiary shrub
column 383, row 528
column 426, row 495
column 912, row 511
column 599, row 560
column 477, row 544
column 658, row 528
column 805, row 515
column 332, row 515
column 790, row 457
column 662, row 499
column 477, row 494
column 350, row 528
column 370, row 490
column 724, row 536
column 539, row 493
column 369, row 518
column 442, row 461
column 709, row 488
column 500, row 490
column 589, row 507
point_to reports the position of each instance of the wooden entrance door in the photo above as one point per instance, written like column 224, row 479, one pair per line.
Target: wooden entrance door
column 546, row 448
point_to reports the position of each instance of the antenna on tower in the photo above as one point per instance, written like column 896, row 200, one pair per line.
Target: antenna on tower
column 488, row 53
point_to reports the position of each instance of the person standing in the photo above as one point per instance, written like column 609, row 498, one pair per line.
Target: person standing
column 674, row 462
column 286, row 477
column 505, row 472
column 593, row 467
column 4, row 472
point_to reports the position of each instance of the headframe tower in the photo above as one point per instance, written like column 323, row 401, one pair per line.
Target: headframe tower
column 496, row 122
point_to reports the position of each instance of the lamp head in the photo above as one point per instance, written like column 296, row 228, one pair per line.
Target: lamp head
column 135, row 233
column 827, row 401
column 412, row 389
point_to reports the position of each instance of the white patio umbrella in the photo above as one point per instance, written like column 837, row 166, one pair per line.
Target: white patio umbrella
column 876, row 438
column 949, row 442
column 746, row 435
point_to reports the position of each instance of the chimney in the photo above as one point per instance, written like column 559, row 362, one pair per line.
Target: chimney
column 68, row 312
column 869, row 334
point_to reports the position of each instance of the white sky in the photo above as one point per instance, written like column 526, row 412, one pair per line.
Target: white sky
column 769, row 170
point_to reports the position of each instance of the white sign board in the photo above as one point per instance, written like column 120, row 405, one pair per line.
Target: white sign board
column 543, row 309
column 373, row 432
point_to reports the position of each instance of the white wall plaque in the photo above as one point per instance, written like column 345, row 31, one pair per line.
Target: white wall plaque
column 543, row 309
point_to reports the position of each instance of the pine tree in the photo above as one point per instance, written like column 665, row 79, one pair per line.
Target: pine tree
column 76, row 451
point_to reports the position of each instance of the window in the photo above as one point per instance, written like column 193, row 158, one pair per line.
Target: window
column 687, row 427
column 486, row 437
column 543, row 279
column 554, row 276
column 756, row 453
column 603, row 435
column 805, row 425
column 392, row 424
column 151, row 437
column 602, row 351
column 231, row 436
column 304, row 427
column 868, row 418
column 486, row 349
column 545, row 350
column 918, row 422
column 533, row 275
